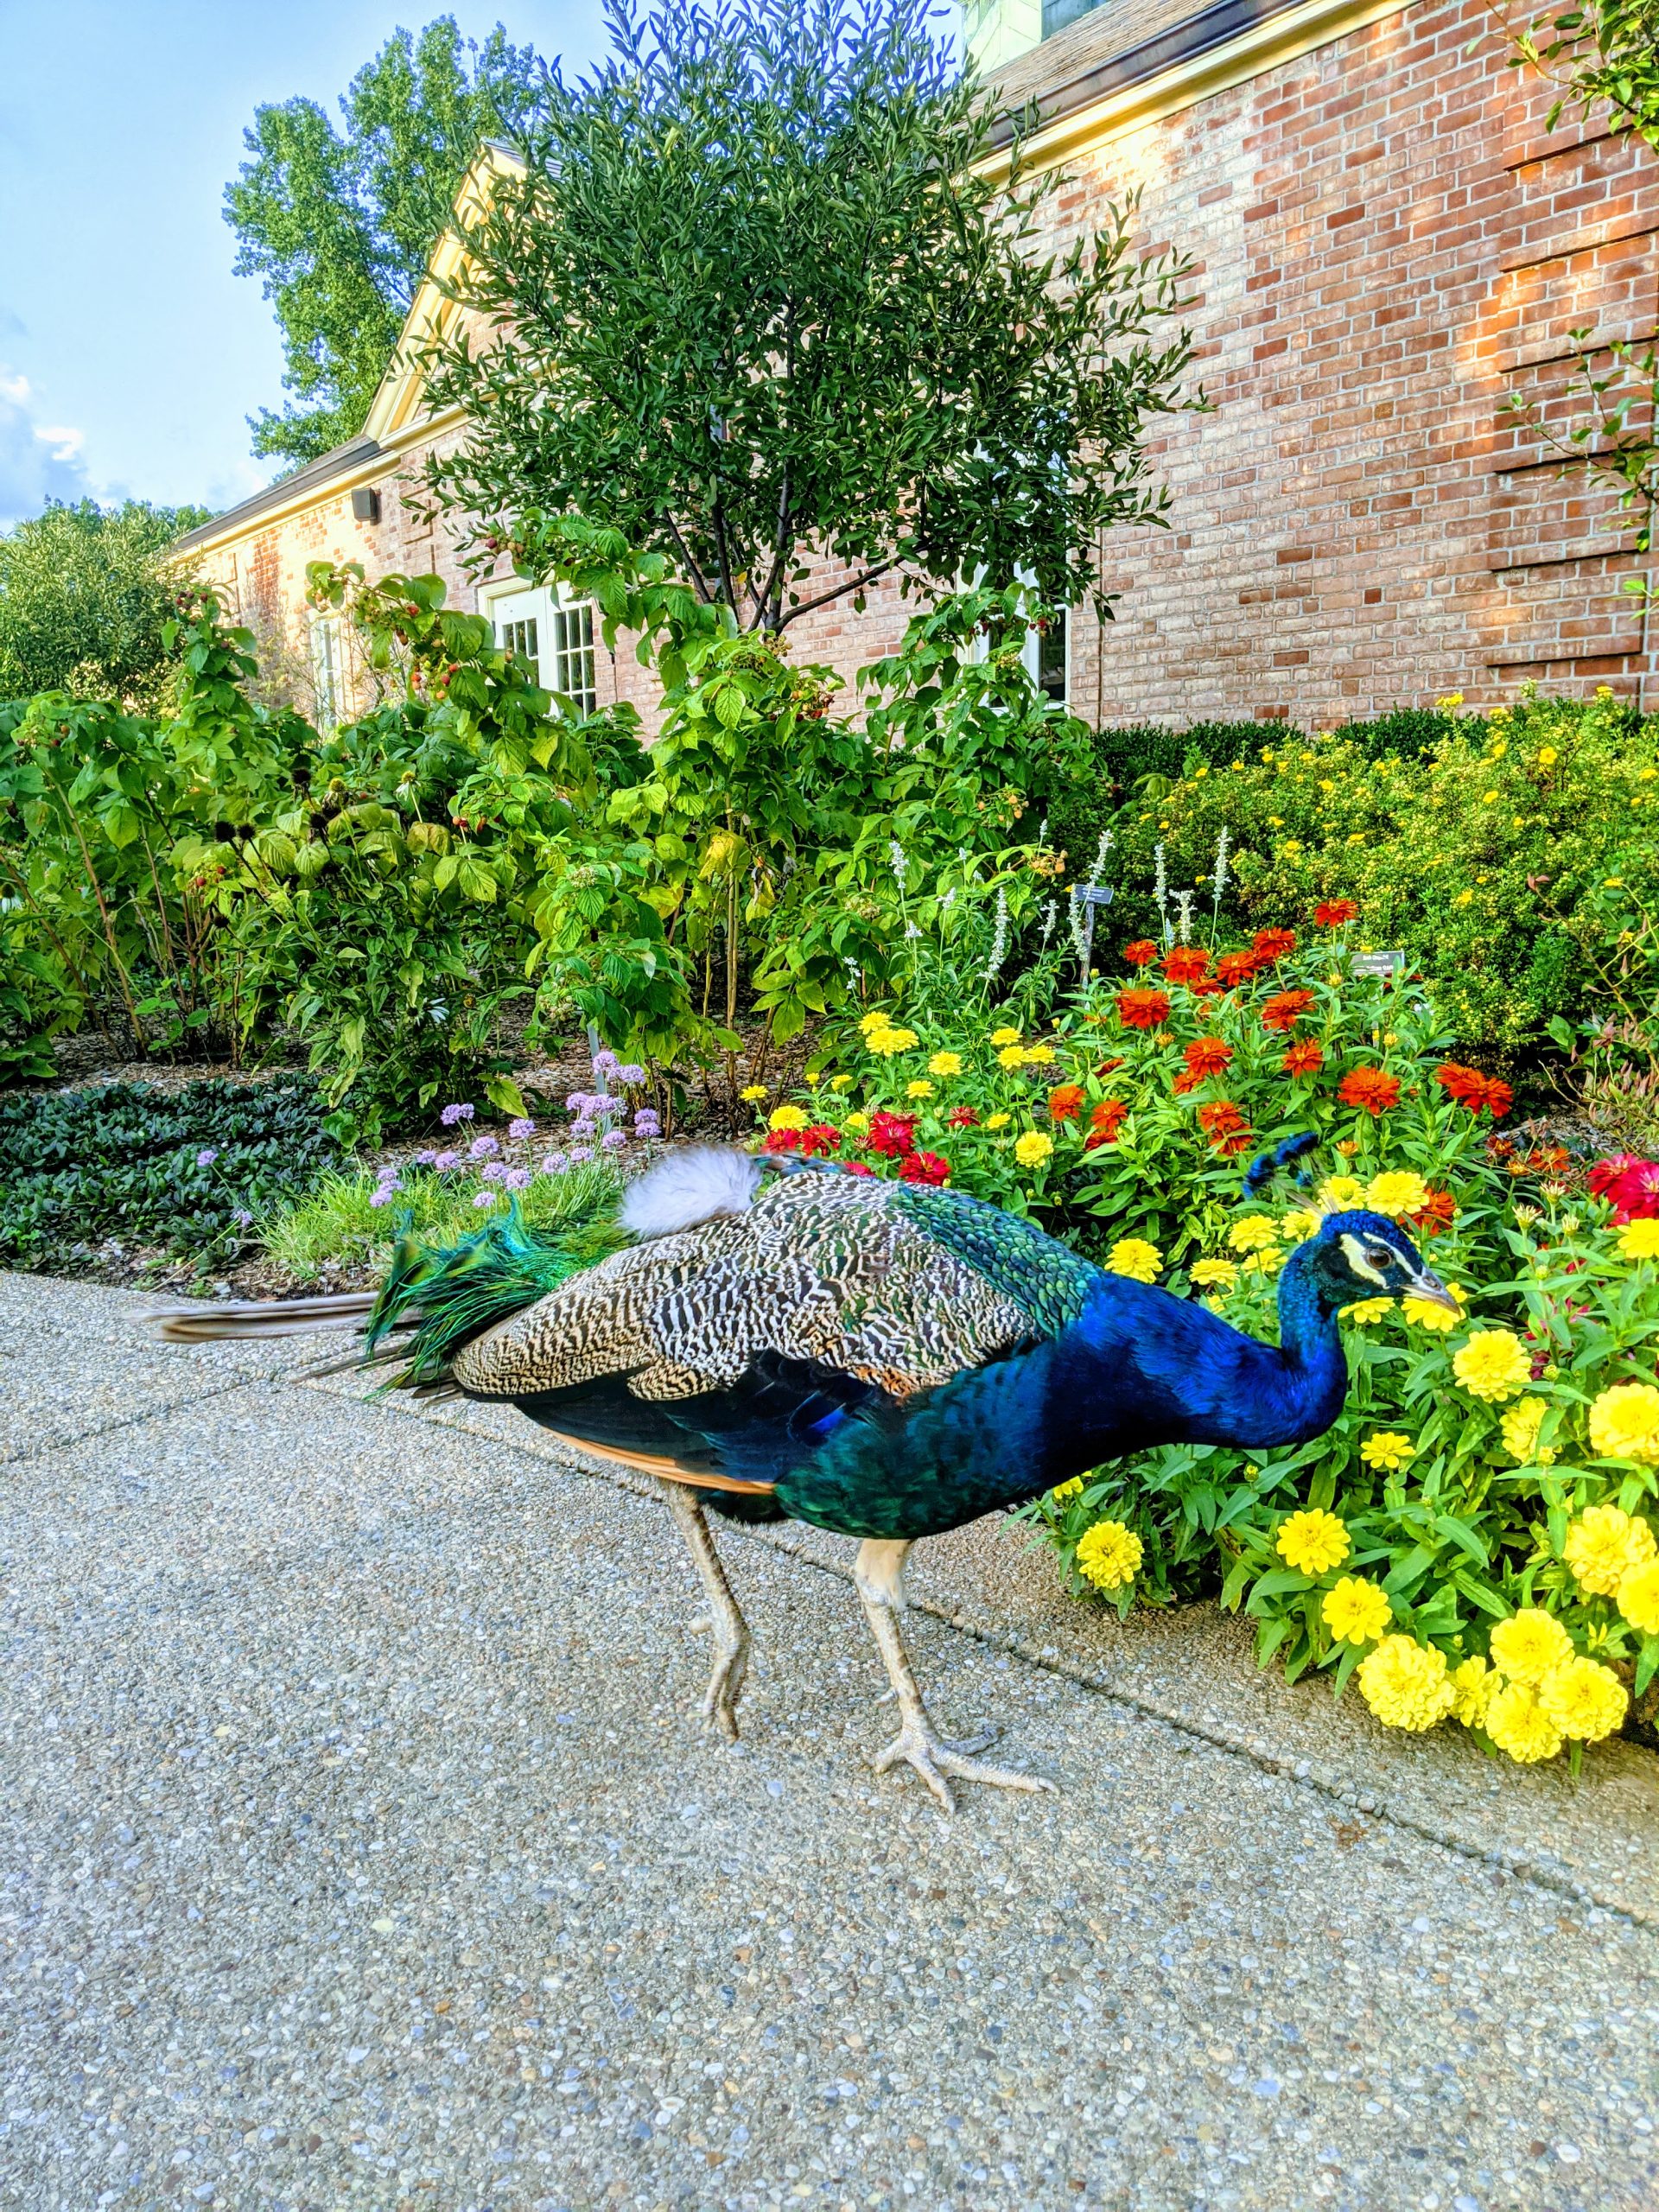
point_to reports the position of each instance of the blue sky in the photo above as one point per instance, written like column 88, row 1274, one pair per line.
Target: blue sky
column 129, row 356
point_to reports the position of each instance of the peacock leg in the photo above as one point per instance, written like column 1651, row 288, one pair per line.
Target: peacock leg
column 731, row 1629
column 880, row 1575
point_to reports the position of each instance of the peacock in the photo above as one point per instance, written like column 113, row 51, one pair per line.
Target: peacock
column 776, row 1339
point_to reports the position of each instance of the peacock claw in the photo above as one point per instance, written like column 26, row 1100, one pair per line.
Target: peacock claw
column 725, row 1687
column 936, row 1757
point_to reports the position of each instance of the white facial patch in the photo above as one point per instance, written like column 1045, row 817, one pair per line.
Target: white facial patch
column 1360, row 1262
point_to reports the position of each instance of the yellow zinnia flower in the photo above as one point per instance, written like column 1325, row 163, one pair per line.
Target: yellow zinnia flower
column 1603, row 1546
column 841, row 1083
column 1387, row 1450
column 786, row 1117
column 1108, row 1554
column 752, row 1092
column 1223, row 1273
column 1521, row 1428
column 887, row 1042
column 1472, row 1685
column 1638, row 1598
column 1584, row 1700
column 1012, row 1055
column 919, row 1089
column 1033, row 1148
column 1364, row 1310
column 1312, row 1541
column 1494, row 1365
column 859, row 1121
column 1341, row 1193
column 1299, row 1225
column 1400, row 1191
column 1527, row 1645
column 1406, row 1684
column 1133, row 1257
column 1639, row 1240
column 945, row 1064
column 1039, row 1056
column 1005, row 1036
column 1423, row 1313
column 1267, row 1262
column 875, row 1019
column 1253, row 1234
column 1063, row 1493
column 998, row 1121
column 1625, row 1423
column 1517, row 1723
column 1356, row 1612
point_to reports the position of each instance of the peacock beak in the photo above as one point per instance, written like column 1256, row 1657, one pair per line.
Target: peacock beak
column 1428, row 1287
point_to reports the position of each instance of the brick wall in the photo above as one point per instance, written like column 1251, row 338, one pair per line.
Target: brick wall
column 1388, row 245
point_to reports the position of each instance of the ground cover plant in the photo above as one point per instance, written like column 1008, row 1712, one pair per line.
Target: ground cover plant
column 1475, row 1538
column 184, row 1172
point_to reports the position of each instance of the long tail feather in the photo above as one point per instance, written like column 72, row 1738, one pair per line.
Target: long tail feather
column 254, row 1317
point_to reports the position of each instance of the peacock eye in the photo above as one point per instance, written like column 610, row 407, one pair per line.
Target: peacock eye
column 1380, row 1257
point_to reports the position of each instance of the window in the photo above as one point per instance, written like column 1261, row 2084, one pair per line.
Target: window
column 1057, row 14
column 1045, row 656
column 554, row 643
column 327, row 669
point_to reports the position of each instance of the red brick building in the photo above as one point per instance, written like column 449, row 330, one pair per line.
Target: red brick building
column 1387, row 244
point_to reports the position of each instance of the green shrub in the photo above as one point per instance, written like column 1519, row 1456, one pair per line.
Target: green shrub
column 186, row 1171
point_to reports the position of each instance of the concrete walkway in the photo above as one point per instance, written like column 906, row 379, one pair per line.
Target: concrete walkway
column 360, row 1849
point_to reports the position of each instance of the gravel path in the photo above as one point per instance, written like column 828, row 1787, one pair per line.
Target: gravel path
column 360, row 1850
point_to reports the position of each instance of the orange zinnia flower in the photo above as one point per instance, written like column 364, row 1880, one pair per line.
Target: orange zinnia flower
column 1142, row 953
column 1187, row 963
column 1269, row 945
column 1065, row 1102
column 1332, row 913
column 1479, row 1093
column 1284, row 1008
column 1306, row 1058
column 1104, row 1122
column 1235, row 968
column 1221, row 1119
column 1143, row 1009
column 1208, row 1056
column 1369, row 1088
column 1439, row 1212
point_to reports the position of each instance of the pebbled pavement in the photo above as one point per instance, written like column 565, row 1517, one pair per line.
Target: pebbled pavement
column 360, row 1849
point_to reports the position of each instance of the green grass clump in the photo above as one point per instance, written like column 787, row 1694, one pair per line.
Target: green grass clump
column 340, row 1222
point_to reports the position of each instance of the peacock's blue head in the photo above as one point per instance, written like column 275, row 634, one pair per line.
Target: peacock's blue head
column 1358, row 1256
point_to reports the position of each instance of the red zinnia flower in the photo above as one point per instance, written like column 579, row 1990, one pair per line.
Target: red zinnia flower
column 1187, row 964
column 1439, row 1212
column 1284, row 1008
column 1306, row 1058
column 1369, row 1088
column 1208, row 1056
column 1143, row 1009
column 1235, row 968
column 1142, row 953
column 1332, row 913
column 962, row 1117
column 783, row 1140
column 1066, row 1102
column 1108, row 1067
column 1469, row 1087
column 925, row 1167
column 892, row 1135
column 857, row 1167
column 1105, row 1122
column 1630, row 1185
column 1269, row 945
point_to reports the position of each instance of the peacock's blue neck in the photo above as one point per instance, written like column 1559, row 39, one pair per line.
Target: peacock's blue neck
column 1310, row 1343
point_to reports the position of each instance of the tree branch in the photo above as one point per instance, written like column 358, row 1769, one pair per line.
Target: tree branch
column 824, row 597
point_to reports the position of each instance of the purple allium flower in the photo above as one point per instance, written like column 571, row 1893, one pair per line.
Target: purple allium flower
column 483, row 1148
column 632, row 1073
column 584, row 1128
column 613, row 1140
column 242, row 1218
column 517, row 1179
column 451, row 1115
column 389, row 1172
column 555, row 1164
column 495, row 1173
column 647, row 1122
column 207, row 1155
column 605, row 1104
column 580, row 1102
column 524, row 1126
column 428, row 1158
column 606, row 1063
column 485, row 1198
column 443, row 1161
column 384, row 1195
column 581, row 1155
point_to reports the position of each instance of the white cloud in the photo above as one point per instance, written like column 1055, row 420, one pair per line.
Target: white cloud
column 38, row 461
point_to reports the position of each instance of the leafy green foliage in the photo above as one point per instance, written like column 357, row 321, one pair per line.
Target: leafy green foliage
column 340, row 225
column 762, row 294
column 85, row 595
column 125, row 1160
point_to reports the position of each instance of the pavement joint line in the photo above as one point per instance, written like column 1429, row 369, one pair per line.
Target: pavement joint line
column 135, row 1419
column 1517, row 1864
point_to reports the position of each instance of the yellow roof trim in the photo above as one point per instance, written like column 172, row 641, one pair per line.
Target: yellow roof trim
column 1283, row 37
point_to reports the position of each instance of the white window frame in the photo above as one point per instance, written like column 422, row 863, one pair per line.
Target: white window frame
column 326, row 648
column 514, row 601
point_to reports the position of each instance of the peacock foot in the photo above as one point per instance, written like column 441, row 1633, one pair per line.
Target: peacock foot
column 935, row 1757
column 726, row 1686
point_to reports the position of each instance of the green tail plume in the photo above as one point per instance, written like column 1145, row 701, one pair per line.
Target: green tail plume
column 465, row 1289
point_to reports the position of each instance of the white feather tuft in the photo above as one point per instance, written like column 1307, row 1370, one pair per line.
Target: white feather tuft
column 688, row 1187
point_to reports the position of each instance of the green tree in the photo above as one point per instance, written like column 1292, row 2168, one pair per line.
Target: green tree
column 85, row 592
column 339, row 225
column 763, row 294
